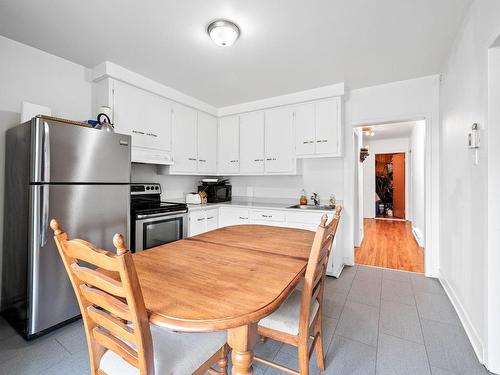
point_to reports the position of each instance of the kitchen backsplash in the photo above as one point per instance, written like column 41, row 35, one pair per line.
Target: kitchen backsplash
column 323, row 176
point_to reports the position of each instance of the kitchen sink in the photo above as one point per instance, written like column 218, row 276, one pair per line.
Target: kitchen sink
column 311, row 207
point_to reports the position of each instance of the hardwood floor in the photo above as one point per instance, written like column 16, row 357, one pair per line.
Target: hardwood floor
column 390, row 244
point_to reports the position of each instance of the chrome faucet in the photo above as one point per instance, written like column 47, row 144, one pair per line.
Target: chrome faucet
column 315, row 199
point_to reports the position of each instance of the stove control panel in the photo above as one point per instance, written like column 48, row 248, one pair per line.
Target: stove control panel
column 136, row 189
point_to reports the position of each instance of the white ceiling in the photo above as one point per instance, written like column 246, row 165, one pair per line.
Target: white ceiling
column 285, row 45
column 391, row 131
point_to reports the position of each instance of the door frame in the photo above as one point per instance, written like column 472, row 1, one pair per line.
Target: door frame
column 431, row 207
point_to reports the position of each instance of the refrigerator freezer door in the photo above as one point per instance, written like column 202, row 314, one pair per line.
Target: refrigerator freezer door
column 91, row 212
column 63, row 153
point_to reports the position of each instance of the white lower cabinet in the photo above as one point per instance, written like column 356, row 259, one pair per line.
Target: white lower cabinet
column 285, row 218
column 272, row 217
column 233, row 216
column 202, row 221
column 212, row 219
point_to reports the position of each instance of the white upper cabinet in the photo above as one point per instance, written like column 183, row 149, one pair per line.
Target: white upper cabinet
column 279, row 140
column 207, row 144
column 143, row 115
column 229, row 145
column 328, row 131
column 252, row 153
column 184, row 139
column 305, row 128
column 318, row 128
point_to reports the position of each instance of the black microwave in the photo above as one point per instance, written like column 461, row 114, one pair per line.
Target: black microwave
column 216, row 193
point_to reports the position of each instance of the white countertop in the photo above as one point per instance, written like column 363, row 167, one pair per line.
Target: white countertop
column 257, row 203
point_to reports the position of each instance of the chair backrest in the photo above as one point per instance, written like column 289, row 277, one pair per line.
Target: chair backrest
column 314, row 278
column 110, row 300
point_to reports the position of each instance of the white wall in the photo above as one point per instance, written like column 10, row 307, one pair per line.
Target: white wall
column 323, row 176
column 464, row 187
column 28, row 74
column 381, row 146
column 173, row 187
column 397, row 102
column 492, row 353
column 417, row 181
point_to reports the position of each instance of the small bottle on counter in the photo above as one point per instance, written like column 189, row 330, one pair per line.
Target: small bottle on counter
column 303, row 198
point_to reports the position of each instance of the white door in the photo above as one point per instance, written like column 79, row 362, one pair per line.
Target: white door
column 159, row 123
column 184, row 141
column 229, row 145
column 128, row 113
column 327, row 126
column 305, row 129
column 252, row 142
column 212, row 219
column 233, row 216
column 279, row 140
column 197, row 223
column 207, row 143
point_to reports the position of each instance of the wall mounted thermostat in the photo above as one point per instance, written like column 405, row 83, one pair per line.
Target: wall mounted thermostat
column 474, row 139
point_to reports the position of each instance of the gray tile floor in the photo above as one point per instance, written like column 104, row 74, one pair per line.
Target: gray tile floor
column 375, row 322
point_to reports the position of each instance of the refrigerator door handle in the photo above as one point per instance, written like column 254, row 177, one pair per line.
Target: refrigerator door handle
column 45, row 215
column 46, row 152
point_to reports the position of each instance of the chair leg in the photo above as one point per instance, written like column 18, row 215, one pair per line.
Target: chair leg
column 303, row 358
column 318, row 347
column 223, row 361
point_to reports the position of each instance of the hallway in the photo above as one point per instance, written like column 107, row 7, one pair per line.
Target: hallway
column 390, row 244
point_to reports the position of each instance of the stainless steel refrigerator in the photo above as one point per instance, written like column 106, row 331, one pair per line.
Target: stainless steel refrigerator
column 78, row 175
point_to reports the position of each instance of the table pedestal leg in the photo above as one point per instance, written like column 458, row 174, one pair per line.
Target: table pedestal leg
column 242, row 340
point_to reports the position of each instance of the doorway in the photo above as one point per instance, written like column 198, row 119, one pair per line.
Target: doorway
column 390, row 186
column 392, row 196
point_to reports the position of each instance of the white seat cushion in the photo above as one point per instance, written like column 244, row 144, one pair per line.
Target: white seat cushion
column 286, row 318
column 174, row 353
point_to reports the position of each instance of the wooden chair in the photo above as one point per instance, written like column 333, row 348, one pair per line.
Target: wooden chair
column 299, row 318
column 119, row 337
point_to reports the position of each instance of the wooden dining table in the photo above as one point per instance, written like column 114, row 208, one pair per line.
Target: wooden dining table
column 226, row 279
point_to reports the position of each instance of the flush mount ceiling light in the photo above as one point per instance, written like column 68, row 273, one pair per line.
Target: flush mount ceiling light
column 223, row 32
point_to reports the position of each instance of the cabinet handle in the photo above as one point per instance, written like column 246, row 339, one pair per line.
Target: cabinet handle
column 268, row 159
column 152, row 135
column 233, row 161
column 210, row 217
column 259, row 160
column 266, row 215
column 322, row 141
column 192, row 159
column 137, row 132
column 202, row 160
column 243, row 218
column 200, row 219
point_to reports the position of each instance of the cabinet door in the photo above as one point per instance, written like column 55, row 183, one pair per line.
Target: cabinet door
column 233, row 216
column 279, row 140
column 212, row 219
column 158, row 130
column 327, row 126
column 184, row 141
column 197, row 223
column 305, row 129
column 229, row 145
column 252, row 142
column 128, row 112
column 207, row 144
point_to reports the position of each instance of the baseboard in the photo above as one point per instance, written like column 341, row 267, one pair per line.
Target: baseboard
column 471, row 332
column 418, row 236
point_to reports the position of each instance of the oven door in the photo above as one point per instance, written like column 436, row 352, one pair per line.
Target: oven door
column 158, row 229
